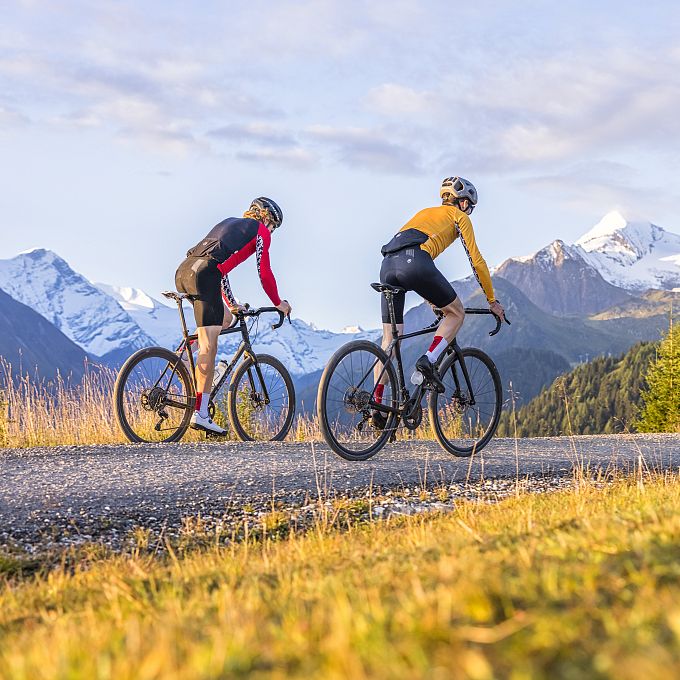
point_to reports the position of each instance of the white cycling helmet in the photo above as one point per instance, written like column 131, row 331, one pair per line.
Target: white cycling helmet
column 459, row 187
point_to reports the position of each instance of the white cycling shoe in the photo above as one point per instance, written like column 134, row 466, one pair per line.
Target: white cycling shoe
column 198, row 422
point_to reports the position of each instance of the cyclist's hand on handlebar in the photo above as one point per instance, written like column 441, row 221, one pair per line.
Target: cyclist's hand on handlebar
column 497, row 309
column 284, row 308
column 239, row 309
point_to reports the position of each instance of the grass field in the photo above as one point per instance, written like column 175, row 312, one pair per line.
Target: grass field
column 580, row 583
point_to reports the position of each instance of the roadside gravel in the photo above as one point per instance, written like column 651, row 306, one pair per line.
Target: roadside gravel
column 60, row 497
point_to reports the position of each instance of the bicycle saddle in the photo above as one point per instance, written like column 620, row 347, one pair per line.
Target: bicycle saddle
column 386, row 288
column 177, row 297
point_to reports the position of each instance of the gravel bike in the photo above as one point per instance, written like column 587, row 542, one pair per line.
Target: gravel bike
column 155, row 392
column 463, row 418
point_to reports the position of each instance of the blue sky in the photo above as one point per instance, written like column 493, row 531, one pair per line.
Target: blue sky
column 128, row 129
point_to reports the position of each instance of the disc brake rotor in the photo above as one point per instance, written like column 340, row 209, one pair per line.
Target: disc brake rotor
column 458, row 403
column 152, row 399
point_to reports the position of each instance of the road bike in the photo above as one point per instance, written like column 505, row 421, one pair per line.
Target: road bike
column 155, row 391
column 463, row 418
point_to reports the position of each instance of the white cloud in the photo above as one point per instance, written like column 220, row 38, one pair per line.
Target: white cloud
column 299, row 158
column 259, row 133
column 367, row 148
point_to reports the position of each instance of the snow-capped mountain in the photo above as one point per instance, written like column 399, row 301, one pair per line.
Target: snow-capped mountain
column 633, row 255
column 45, row 282
column 607, row 266
column 559, row 280
column 157, row 319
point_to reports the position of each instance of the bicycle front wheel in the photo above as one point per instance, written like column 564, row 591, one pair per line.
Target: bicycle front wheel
column 261, row 400
column 346, row 397
column 465, row 416
column 154, row 396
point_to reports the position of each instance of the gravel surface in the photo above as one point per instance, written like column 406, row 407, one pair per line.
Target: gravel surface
column 56, row 497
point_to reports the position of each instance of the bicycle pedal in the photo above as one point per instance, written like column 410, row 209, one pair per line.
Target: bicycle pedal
column 215, row 435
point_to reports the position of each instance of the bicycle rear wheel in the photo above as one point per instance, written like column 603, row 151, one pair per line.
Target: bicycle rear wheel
column 344, row 400
column 461, row 426
column 154, row 396
column 252, row 417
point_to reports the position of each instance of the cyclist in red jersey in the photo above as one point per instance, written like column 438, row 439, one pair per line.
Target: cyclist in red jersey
column 204, row 275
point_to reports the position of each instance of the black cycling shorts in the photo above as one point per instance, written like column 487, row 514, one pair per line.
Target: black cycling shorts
column 200, row 277
column 413, row 269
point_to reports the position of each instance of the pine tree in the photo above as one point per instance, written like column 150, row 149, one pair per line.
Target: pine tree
column 661, row 411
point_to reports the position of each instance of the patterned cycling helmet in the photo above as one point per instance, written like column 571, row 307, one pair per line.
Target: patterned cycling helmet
column 459, row 187
column 266, row 205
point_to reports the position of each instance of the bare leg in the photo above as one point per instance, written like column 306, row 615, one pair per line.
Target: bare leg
column 454, row 315
column 205, row 361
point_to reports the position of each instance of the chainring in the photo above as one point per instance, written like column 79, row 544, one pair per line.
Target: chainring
column 414, row 418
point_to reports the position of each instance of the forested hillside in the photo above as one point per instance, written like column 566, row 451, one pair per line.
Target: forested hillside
column 602, row 396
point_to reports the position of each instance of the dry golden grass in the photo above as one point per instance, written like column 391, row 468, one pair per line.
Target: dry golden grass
column 581, row 583
column 39, row 413
column 36, row 412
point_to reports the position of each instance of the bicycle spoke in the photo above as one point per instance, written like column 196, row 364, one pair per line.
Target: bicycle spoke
column 262, row 407
column 152, row 401
column 462, row 426
column 347, row 396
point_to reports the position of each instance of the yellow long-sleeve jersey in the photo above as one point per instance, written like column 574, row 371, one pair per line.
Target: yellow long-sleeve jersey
column 443, row 225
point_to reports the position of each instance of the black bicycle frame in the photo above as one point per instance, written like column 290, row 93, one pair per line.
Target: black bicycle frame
column 244, row 348
column 395, row 349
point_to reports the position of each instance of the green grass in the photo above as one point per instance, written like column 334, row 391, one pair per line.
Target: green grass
column 582, row 583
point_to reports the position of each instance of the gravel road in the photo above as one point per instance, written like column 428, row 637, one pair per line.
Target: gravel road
column 69, row 495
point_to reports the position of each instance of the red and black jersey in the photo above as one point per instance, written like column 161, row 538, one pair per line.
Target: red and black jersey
column 231, row 242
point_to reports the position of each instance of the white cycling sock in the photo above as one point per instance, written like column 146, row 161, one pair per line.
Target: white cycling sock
column 202, row 401
column 436, row 348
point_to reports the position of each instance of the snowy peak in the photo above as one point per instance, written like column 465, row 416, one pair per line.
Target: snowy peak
column 560, row 281
column 131, row 299
column 632, row 254
column 553, row 255
column 45, row 282
column 620, row 239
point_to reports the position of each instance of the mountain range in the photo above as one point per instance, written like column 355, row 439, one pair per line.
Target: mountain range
column 599, row 295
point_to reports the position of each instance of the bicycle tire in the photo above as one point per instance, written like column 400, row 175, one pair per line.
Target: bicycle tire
column 325, row 421
column 233, row 398
column 119, row 393
column 479, row 443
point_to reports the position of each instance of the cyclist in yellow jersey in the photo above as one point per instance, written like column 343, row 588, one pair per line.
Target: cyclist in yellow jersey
column 409, row 263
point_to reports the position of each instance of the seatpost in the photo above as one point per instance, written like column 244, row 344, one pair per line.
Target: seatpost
column 393, row 318
column 182, row 319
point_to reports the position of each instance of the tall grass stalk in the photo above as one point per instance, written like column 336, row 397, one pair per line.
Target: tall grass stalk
column 38, row 412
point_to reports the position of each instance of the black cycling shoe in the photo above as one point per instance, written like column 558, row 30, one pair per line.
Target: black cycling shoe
column 378, row 420
column 430, row 373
